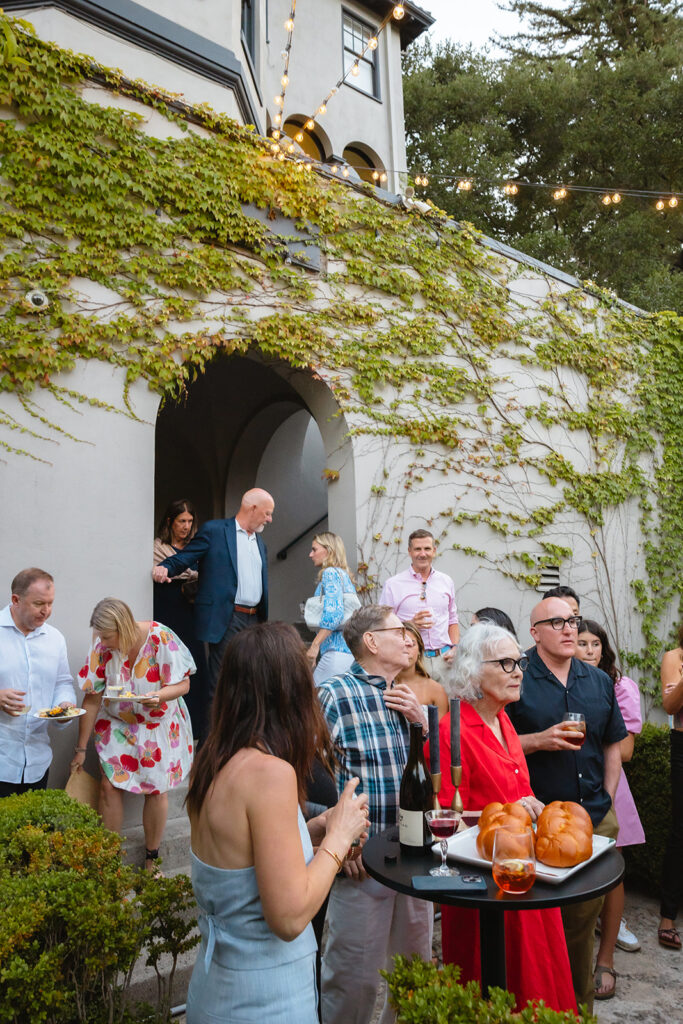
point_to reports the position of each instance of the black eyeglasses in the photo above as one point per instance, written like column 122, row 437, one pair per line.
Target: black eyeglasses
column 390, row 629
column 558, row 623
column 509, row 664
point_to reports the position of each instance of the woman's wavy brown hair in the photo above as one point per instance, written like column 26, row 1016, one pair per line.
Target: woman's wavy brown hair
column 265, row 698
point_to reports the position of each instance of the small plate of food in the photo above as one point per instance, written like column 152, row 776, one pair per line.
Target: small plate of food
column 58, row 714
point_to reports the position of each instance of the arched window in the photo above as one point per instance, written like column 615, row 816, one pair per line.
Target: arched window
column 311, row 144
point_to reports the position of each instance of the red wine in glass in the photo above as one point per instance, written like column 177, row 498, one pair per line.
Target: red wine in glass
column 443, row 824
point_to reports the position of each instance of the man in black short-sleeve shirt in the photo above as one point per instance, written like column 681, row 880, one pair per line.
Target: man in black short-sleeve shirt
column 554, row 683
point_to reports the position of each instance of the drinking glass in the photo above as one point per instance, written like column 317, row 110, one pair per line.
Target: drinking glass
column 575, row 728
column 23, row 710
column 442, row 824
column 514, row 859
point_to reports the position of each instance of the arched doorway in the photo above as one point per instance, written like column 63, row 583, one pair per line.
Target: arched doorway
column 246, row 423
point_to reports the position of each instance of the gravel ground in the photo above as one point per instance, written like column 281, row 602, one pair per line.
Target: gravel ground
column 649, row 982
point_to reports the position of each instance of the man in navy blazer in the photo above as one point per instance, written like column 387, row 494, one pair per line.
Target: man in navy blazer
column 233, row 574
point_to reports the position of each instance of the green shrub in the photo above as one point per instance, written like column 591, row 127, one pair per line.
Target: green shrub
column 425, row 994
column 648, row 777
column 74, row 919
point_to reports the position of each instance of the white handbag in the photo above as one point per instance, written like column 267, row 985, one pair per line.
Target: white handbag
column 313, row 609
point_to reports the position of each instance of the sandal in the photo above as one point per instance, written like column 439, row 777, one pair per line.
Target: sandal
column 598, row 978
column 152, row 856
column 669, row 938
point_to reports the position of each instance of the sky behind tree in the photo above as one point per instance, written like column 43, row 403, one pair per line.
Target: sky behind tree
column 471, row 21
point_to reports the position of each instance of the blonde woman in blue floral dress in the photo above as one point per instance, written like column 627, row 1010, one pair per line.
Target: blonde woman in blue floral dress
column 329, row 648
column 144, row 741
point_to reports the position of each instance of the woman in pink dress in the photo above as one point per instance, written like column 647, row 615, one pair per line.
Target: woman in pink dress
column 594, row 648
column 144, row 741
column 487, row 674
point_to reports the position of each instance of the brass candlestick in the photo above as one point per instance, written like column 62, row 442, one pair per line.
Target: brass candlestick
column 436, row 786
column 456, row 778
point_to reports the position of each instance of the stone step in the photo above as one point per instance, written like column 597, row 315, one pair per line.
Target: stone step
column 174, row 849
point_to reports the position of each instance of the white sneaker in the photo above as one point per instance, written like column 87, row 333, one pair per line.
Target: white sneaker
column 626, row 939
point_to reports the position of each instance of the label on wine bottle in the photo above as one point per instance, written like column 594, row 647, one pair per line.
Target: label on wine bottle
column 410, row 827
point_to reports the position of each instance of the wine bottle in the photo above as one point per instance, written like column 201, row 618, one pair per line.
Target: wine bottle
column 415, row 797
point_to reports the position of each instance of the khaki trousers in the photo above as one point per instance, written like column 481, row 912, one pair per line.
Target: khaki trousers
column 368, row 925
column 579, row 920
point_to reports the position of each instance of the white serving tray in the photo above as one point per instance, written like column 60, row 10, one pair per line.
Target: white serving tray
column 463, row 846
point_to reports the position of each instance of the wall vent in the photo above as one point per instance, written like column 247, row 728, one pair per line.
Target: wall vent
column 550, row 577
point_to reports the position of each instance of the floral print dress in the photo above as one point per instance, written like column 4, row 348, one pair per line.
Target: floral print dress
column 142, row 749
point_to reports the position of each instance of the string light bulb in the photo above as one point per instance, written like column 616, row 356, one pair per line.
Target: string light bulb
column 345, row 172
column 334, row 168
column 299, row 136
column 398, row 11
column 510, row 189
column 289, row 24
column 616, row 198
column 383, row 176
column 372, row 43
column 673, row 202
column 606, row 200
column 275, row 148
column 276, row 134
column 375, row 175
column 659, row 205
column 310, row 125
column 284, row 81
column 308, row 165
column 322, row 108
column 355, row 69
column 464, row 185
column 280, row 100
column 290, row 147
column 278, row 118
column 281, row 157
column 560, row 193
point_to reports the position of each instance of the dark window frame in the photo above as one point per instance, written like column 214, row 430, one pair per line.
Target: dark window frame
column 376, row 94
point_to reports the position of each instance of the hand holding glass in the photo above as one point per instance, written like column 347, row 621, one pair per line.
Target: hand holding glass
column 514, row 859
column 575, row 728
column 442, row 824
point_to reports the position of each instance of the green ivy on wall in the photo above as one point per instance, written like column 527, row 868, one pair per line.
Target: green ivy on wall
column 151, row 259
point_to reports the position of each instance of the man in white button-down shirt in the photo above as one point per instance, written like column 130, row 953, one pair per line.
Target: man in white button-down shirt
column 34, row 674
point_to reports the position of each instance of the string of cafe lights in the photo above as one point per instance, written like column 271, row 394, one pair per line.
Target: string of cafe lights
column 278, row 148
column 284, row 80
column 510, row 188
column 608, row 196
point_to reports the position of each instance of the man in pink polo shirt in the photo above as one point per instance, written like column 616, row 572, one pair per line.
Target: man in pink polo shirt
column 426, row 597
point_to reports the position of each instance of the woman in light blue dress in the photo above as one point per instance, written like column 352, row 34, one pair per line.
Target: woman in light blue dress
column 255, row 875
column 334, row 580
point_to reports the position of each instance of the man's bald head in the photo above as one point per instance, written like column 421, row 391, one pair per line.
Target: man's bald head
column 256, row 510
column 556, row 643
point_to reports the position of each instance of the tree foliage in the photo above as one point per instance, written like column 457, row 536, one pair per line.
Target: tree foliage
column 578, row 119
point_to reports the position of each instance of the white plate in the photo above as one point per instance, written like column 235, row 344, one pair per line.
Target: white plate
column 463, row 846
column 60, row 718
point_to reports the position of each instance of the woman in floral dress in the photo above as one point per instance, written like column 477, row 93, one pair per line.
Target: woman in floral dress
column 144, row 743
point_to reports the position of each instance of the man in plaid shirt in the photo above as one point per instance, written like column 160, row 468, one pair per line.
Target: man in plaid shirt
column 369, row 718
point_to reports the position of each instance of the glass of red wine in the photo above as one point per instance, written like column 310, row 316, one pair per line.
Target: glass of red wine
column 574, row 726
column 442, row 824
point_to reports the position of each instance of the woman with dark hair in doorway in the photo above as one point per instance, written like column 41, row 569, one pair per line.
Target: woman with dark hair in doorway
column 173, row 603
column 255, row 875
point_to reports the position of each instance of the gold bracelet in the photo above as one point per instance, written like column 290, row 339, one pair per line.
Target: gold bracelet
column 334, row 855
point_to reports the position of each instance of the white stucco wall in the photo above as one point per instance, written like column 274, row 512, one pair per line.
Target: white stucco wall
column 84, row 516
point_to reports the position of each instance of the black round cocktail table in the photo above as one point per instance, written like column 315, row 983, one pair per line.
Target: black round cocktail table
column 383, row 861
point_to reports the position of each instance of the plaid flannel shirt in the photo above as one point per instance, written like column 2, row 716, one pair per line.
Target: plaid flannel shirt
column 373, row 740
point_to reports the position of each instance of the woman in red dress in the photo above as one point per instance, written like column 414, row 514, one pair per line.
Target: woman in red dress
column 487, row 675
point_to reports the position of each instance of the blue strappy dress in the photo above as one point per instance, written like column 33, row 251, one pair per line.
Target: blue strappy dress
column 245, row 974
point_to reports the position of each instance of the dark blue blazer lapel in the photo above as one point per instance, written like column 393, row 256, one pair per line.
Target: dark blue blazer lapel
column 231, row 540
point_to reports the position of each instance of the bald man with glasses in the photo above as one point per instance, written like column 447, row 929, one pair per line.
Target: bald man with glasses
column 555, row 683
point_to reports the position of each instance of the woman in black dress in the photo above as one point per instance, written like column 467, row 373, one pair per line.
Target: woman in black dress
column 173, row 603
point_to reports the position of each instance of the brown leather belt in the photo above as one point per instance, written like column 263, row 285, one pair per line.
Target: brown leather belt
column 245, row 611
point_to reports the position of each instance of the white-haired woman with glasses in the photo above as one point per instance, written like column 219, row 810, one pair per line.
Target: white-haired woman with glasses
column 487, row 675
